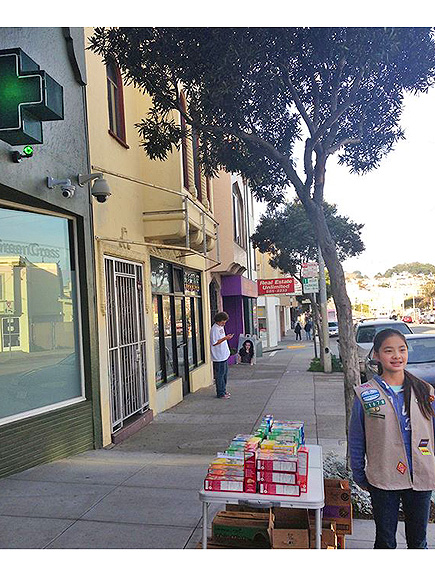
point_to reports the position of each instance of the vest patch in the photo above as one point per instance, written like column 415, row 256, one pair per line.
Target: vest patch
column 422, row 446
column 374, row 404
column 401, row 467
column 370, row 395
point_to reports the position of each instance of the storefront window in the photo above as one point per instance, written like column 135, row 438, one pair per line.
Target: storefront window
column 167, row 329
column 178, row 319
column 157, row 355
column 40, row 350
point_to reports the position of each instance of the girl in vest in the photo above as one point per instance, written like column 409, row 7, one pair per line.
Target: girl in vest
column 391, row 443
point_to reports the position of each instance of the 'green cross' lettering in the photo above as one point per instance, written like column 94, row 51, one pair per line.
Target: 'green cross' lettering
column 28, row 96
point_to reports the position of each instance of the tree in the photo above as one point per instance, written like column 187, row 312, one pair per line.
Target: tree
column 413, row 268
column 254, row 94
column 288, row 236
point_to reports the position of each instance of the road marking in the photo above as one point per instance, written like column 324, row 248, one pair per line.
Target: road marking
column 273, row 353
column 302, row 346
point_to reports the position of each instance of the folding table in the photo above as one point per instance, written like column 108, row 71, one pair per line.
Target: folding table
column 313, row 499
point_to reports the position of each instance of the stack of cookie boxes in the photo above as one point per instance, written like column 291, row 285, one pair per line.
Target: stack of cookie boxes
column 272, row 461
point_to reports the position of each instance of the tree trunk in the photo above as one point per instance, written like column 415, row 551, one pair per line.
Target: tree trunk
column 348, row 348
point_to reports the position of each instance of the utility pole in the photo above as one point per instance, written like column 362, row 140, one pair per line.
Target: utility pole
column 327, row 363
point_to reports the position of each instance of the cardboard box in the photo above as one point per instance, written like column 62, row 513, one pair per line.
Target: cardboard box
column 289, row 529
column 242, row 527
column 232, row 507
column 338, row 505
column 328, row 538
column 341, row 542
column 278, row 489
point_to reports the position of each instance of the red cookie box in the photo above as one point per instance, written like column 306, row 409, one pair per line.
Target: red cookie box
column 277, row 477
column 216, row 483
column 302, row 477
column 277, row 462
column 278, row 489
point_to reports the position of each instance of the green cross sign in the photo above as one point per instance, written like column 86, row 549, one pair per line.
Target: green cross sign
column 28, row 96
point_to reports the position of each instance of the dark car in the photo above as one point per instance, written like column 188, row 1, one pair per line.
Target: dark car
column 421, row 358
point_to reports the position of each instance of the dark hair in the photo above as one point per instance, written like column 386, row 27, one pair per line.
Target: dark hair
column 411, row 383
column 221, row 316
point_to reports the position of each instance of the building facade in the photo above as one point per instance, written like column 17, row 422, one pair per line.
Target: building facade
column 232, row 285
column 49, row 403
column 153, row 241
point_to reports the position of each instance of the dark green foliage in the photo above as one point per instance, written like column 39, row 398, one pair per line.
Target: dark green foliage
column 250, row 89
column 288, row 235
column 316, row 365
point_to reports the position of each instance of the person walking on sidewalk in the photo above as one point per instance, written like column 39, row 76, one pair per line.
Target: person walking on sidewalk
column 220, row 353
column 308, row 326
column 391, row 443
column 298, row 330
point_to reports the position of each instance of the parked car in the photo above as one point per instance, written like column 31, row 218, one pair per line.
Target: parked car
column 431, row 319
column 421, row 358
column 365, row 333
column 333, row 328
column 406, row 318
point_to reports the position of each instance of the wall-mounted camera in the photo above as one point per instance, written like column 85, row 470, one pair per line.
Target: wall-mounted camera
column 66, row 187
column 100, row 188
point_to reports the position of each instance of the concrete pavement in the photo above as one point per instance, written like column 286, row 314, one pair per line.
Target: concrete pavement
column 143, row 493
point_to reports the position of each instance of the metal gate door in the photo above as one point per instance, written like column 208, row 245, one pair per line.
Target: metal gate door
column 126, row 339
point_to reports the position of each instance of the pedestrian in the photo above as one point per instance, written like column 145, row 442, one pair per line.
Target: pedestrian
column 246, row 353
column 220, row 353
column 298, row 330
column 391, row 443
column 308, row 326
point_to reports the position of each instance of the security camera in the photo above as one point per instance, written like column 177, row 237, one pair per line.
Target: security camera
column 68, row 190
column 100, row 188
column 66, row 187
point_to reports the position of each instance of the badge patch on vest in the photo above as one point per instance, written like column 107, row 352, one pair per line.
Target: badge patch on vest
column 370, row 395
column 401, row 467
column 374, row 404
column 422, row 446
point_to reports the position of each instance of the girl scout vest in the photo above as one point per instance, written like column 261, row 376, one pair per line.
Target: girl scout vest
column 387, row 465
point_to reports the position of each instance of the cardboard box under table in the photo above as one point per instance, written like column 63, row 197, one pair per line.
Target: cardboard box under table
column 241, row 528
column 313, row 499
column 289, row 529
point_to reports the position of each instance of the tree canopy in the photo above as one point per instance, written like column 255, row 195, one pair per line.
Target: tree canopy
column 288, row 236
column 412, row 268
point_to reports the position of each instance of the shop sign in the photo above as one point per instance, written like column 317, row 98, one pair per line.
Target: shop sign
column 28, row 96
column 311, row 285
column 310, row 270
column 276, row 286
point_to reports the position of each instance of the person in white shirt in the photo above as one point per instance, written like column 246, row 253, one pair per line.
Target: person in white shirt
column 220, row 353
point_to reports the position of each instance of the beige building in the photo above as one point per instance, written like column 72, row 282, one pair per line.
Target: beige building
column 153, row 241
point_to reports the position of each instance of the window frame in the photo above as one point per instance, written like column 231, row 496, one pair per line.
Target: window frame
column 75, row 274
column 117, row 124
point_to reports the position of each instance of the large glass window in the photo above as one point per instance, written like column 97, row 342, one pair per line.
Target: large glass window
column 178, row 322
column 40, row 350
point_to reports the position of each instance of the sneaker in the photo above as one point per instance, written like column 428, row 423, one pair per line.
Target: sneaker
column 226, row 396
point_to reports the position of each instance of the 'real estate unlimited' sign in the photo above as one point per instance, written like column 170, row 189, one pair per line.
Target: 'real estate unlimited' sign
column 276, row 286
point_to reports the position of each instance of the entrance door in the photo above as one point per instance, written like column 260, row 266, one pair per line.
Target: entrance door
column 126, row 339
column 181, row 337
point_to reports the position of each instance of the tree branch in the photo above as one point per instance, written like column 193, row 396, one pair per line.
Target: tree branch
column 348, row 141
column 340, row 110
column 299, row 105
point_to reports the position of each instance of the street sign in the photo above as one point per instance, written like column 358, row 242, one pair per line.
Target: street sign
column 310, row 270
column 28, row 96
column 276, row 286
column 310, row 285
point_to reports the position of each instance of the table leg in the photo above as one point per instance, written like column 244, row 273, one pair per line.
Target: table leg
column 204, row 524
column 318, row 529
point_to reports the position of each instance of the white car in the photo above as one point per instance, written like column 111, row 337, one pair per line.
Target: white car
column 333, row 328
column 365, row 333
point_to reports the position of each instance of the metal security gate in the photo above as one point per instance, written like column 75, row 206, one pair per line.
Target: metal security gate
column 126, row 339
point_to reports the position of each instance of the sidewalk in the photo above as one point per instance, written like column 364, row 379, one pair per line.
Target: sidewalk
column 143, row 493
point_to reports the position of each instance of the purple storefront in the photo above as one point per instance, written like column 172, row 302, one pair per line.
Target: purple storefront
column 239, row 298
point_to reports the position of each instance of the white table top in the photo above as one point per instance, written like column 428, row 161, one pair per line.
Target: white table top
column 313, row 499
